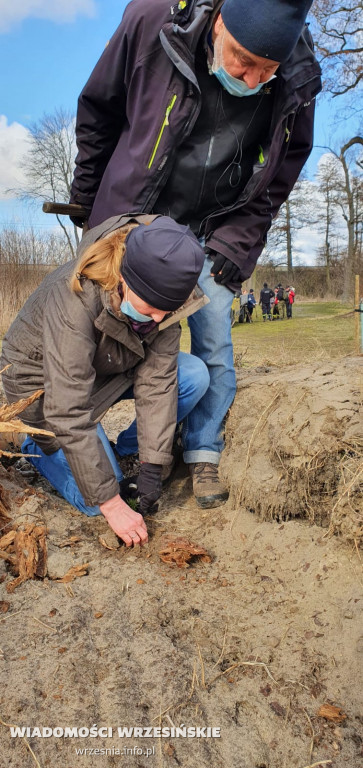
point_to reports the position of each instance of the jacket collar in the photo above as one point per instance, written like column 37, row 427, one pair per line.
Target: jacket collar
column 114, row 323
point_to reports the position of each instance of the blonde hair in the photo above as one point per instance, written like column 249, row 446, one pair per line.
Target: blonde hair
column 101, row 261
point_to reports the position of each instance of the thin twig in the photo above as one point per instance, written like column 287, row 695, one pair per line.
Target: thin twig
column 201, row 666
column 296, row 682
column 244, row 664
column 185, row 701
column 347, row 489
column 287, row 420
column 194, row 679
column 170, row 721
column 319, row 763
column 223, row 647
column 312, row 733
column 10, row 725
column 14, row 613
column 263, row 414
column 52, row 629
column 358, row 552
column 160, row 750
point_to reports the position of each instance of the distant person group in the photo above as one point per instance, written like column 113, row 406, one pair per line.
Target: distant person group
column 275, row 303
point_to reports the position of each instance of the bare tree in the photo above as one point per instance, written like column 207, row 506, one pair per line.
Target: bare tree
column 349, row 200
column 338, row 36
column 357, row 191
column 329, row 181
column 49, row 164
column 297, row 212
column 349, row 215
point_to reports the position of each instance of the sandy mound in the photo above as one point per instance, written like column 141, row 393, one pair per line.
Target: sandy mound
column 254, row 642
column 295, row 445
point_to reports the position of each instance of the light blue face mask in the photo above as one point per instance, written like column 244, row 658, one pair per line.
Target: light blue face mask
column 130, row 311
column 234, row 86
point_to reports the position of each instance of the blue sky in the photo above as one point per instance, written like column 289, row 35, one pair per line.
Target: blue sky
column 48, row 61
column 47, row 52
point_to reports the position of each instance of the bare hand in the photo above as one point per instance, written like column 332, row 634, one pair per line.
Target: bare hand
column 124, row 521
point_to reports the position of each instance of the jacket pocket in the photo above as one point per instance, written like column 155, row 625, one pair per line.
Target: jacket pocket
column 164, row 124
column 113, row 358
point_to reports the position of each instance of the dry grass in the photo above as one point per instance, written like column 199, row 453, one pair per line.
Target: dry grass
column 317, row 331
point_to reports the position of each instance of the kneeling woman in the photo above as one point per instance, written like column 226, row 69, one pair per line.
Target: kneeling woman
column 98, row 330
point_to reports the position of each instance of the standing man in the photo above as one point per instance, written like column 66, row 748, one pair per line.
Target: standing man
column 203, row 111
column 266, row 295
column 251, row 303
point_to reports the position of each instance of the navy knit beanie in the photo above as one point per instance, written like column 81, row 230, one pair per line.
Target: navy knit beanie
column 267, row 28
column 162, row 263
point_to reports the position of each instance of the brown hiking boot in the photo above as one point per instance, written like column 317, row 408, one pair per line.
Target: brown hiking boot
column 207, row 487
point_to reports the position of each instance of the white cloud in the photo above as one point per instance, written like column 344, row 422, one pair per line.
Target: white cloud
column 306, row 246
column 13, row 145
column 14, row 12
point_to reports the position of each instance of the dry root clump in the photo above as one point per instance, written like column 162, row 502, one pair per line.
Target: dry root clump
column 181, row 552
column 26, row 551
column 294, row 446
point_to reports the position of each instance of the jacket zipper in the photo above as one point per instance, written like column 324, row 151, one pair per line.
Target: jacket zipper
column 163, row 126
column 165, row 160
column 210, row 148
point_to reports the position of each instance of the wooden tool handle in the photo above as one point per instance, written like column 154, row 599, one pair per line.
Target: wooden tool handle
column 66, row 209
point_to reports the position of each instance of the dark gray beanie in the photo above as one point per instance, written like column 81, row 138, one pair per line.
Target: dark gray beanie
column 162, row 263
column 267, row 28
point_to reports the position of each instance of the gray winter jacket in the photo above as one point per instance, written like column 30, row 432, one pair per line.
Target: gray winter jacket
column 82, row 350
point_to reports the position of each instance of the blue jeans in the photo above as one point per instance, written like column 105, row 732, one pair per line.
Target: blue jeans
column 193, row 381
column 56, row 469
column 211, row 341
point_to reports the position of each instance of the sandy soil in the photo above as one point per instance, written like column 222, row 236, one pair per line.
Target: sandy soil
column 254, row 642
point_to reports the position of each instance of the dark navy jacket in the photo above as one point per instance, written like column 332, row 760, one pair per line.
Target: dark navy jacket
column 141, row 103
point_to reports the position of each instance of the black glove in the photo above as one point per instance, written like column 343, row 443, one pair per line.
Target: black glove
column 224, row 270
column 81, row 221
column 149, row 487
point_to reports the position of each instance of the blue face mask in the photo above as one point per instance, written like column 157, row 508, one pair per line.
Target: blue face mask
column 234, row 86
column 130, row 311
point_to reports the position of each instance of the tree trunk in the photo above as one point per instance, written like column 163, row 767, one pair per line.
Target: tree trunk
column 349, row 265
column 290, row 269
column 327, row 245
column 350, row 219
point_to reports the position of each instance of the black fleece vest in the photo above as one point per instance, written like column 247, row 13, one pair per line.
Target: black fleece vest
column 214, row 163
